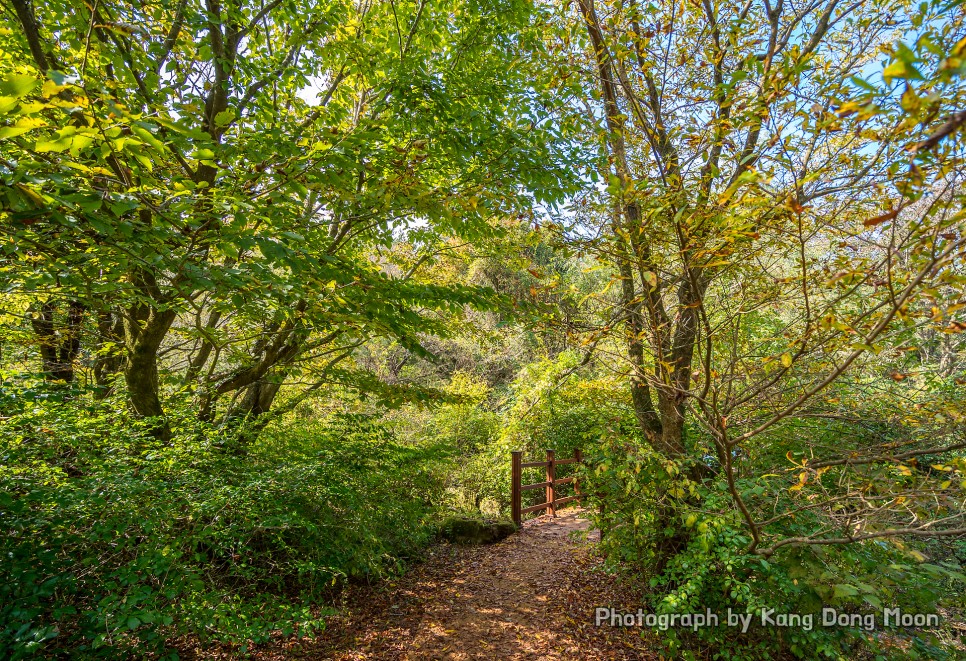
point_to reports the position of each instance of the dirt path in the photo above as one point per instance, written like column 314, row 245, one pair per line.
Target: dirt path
column 531, row 596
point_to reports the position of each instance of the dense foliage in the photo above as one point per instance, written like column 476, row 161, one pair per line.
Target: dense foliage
column 284, row 283
column 113, row 539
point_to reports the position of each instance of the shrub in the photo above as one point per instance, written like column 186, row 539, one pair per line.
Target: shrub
column 684, row 538
column 112, row 542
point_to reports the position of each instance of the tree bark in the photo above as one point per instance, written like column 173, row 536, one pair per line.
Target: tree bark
column 652, row 423
column 144, row 330
column 31, row 30
column 58, row 349
column 110, row 330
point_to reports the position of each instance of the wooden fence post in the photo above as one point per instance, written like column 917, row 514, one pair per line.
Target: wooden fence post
column 551, row 476
column 579, row 456
column 516, row 477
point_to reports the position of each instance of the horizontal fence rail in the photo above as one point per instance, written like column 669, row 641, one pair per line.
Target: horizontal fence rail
column 549, row 485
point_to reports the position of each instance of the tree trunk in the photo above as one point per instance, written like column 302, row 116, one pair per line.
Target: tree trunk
column 58, row 349
column 249, row 415
column 31, row 30
column 667, row 441
column 143, row 339
column 107, row 363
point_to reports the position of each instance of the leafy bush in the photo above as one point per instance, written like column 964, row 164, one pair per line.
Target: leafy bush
column 552, row 406
column 684, row 538
column 113, row 542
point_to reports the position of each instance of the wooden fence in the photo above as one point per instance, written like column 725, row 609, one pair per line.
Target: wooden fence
column 550, row 484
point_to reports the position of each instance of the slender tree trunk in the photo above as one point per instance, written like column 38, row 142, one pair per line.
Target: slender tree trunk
column 58, row 349
column 644, row 411
column 249, row 415
column 651, row 422
column 110, row 331
column 31, row 30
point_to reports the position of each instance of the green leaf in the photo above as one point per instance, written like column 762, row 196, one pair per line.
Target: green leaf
column 224, row 118
column 12, row 131
column 863, row 83
column 17, row 85
column 148, row 137
column 873, row 600
column 844, row 590
column 7, row 103
column 903, row 70
column 55, row 145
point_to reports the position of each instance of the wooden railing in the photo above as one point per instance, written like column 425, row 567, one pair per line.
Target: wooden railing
column 550, row 484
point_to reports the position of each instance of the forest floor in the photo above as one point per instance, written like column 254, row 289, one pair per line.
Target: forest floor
column 530, row 596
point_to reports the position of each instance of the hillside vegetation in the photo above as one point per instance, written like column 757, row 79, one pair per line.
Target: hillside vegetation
column 284, row 283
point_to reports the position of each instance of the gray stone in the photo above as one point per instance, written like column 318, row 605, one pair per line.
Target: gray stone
column 469, row 531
